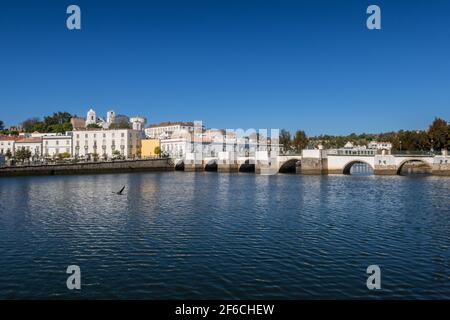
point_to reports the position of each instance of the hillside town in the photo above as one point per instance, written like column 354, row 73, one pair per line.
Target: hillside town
column 116, row 136
column 120, row 137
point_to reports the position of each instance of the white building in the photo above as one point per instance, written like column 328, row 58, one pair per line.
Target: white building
column 166, row 129
column 41, row 134
column 107, row 143
column 176, row 147
column 110, row 117
column 91, row 117
column 380, row 145
column 138, row 123
column 7, row 143
column 53, row 145
column 34, row 145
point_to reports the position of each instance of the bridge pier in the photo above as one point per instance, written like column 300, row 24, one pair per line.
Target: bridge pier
column 441, row 165
column 313, row 162
column 385, row 170
column 193, row 162
column 227, row 162
column 192, row 167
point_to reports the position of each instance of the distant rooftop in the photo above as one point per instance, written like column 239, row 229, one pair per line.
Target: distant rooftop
column 9, row 138
column 30, row 140
column 169, row 123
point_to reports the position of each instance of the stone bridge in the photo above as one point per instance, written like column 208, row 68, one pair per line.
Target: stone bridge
column 228, row 162
column 311, row 162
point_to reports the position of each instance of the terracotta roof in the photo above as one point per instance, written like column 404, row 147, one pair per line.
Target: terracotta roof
column 168, row 123
column 30, row 140
column 9, row 138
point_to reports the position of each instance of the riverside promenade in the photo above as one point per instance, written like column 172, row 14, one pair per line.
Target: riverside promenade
column 116, row 166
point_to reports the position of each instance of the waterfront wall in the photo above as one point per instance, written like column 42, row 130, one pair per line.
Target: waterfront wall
column 90, row 167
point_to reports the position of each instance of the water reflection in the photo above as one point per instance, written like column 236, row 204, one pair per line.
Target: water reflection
column 208, row 235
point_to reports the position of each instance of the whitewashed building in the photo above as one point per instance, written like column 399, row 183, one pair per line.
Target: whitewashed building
column 166, row 129
column 380, row 145
column 107, row 143
column 34, row 145
column 138, row 123
column 91, row 117
column 53, row 145
column 7, row 143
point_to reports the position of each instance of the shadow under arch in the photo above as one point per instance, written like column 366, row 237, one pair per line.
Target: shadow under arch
column 290, row 166
column 247, row 167
column 362, row 168
column 211, row 166
column 413, row 166
column 179, row 165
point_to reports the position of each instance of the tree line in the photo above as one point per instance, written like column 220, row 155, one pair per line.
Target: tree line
column 436, row 137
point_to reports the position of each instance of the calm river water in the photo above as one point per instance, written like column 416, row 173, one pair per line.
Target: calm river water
column 208, row 235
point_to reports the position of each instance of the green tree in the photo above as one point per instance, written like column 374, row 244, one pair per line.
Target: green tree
column 59, row 122
column 57, row 118
column 157, row 150
column 439, row 134
column 120, row 125
column 8, row 154
column 23, row 154
column 300, row 140
column 285, row 139
column 93, row 126
column 63, row 155
column 2, row 125
column 29, row 125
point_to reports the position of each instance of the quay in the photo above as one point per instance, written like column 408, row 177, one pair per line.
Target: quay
column 116, row 166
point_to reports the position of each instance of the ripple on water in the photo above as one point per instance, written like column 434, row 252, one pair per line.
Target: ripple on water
column 203, row 235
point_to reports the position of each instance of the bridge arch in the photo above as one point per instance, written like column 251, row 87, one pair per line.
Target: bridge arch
column 347, row 168
column 179, row 165
column 211, row 165
column 290, row 166
column 247, row 166
column 415, row 165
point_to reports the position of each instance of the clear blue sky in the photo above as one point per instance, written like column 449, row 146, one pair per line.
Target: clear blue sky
column 233, row 64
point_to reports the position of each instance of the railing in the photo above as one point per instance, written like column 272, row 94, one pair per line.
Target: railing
column 399, row 153
column 353, row 152
column 72, row 162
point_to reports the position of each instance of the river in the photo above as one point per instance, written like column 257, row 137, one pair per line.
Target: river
column 179, row 235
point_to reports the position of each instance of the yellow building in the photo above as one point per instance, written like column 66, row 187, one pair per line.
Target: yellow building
column 148, row 147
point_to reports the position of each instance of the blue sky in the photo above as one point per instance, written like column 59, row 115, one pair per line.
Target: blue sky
column 311, row 65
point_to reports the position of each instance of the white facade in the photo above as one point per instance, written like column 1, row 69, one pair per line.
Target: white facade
column 176, row 147
column 41, row 134
column 54, row 145
column 91, row 117
column 138, row 123
column 7, row 143
column 380, row 145
column 110, row 117
column 167, row 130
column 32, row 144
column 105, row 143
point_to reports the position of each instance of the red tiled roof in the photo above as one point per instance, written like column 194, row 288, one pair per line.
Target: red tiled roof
column 9, row 138
column 30, row 140
column 168, row 123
